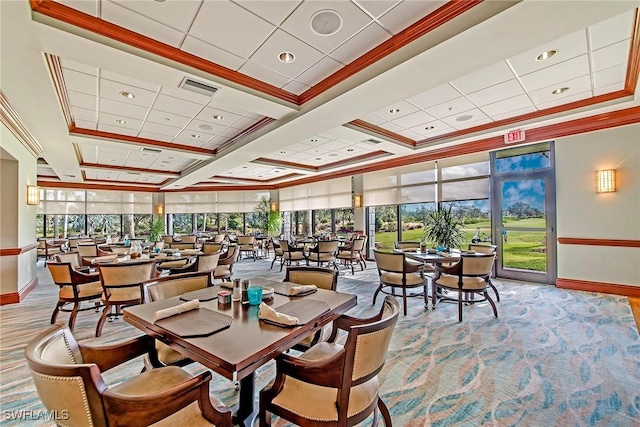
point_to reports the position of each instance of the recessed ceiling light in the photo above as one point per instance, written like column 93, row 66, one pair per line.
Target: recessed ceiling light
column 546, row 55
column 314, row 140
column 112, row 160
column 318, row 158
column 429, row 128
column 394, row 110
column 205, row 127
column 287, row 57
column 122, row 122
column 217, row 117
column 167, row 119
column 560, row 90
column 349, row 149
column 326, row 22
column 245, row 167
column 127, row 95
column 195, row 135
column 332, row 154
column 276, row 171
column 283, row 152
column 464, row 118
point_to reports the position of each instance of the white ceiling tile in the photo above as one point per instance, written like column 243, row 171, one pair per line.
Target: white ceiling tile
column 218, row 140
column 122, row 109
column 439, row 128
column 82, row 100
column 274, row 11
column 219, row 23
column 561, row 72
column 546, row 95
column 373, row 119
column 140, row 24
column 111, row 89
column 296, row 147
column 223, row 109
column 472, row 123
column 318, row 71
column 156, row 136
column 116, row 129
column 319, row 149
column 496, row 93
column 503, row 107
column 267, row 75
column 203, row 127
column 77, row 66
column 391, row 126
column 176, row 105
column 178, row 14
column 410, row 134
column 566, row 100
column 434, row 96
column 187, row 95
column 84, row 124
column 212, row 53
column 299, row 23
column 110, row 120
column 89, row 7
column 160, row 129
column 354, row 150
column 280, row 41
column 228, row 117
column 228, row 132
column 84, row 114
column 450, row 108
column 295, row 87
column 610, row 88
column 189, row 136
column 80, row 82
column 243, row 123
column 568, row 47
column 476, row 115
column 615, row 54
column 408, row 12
column 611, row 76
column 372, row 35
column 514, row 113
column 404, row 107
column 413, row 119
column 128, row 80
column 484, row 78
column 165, row 118
column 376, row 8
column 612, row 30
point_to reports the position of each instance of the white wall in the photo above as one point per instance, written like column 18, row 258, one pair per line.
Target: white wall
column 583, row 213
column 18, row 168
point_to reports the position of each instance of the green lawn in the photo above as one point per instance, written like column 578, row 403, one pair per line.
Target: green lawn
column 524, row 250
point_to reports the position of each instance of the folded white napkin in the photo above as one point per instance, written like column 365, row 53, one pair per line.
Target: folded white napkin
column 104, row 258
column 172, row 311
column 124, row 258
column 302, row 289
column 268, row 313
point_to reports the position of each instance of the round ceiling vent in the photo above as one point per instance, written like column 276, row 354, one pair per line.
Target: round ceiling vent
column 326, row 22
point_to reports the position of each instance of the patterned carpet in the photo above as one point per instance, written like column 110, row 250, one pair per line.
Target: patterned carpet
column 552, row 357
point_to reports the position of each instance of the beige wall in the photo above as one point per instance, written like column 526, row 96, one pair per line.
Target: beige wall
column 18, row 169
column 583, row 213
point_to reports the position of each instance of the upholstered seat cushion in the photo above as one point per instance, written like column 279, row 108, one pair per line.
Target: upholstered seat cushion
column 167, row 355
column 222, row 270
column 84, row 290
column 157, row 381
column 294, row 256
column 396, row 278
column 129, row 293
column 470, row 283
column 172, row 264
column 321, row 256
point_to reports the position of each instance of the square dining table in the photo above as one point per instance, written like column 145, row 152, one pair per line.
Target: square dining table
column 236, row 352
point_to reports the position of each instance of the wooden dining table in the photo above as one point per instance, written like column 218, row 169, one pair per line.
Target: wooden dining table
column 236, row 352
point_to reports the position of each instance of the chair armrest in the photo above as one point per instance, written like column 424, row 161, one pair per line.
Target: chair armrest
column 82, row 277
column 454, row 269
column 325, row 372
column 109, row 356
column 345, row 322
column 410, row 267
column 148, row 409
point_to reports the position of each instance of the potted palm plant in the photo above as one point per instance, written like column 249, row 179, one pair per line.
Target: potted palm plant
column 443, row 229
column 156, row 230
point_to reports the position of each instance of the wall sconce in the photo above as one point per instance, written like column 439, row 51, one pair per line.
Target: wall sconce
column 159, row 209
column 33, row 195
column 273, row 207
column 606, row 181
column 357, row 200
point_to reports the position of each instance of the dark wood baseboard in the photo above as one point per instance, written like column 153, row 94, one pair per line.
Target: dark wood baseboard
column 16, row 297
column 607, row 288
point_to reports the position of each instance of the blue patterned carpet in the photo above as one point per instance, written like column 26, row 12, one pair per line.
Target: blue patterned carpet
column 551, row 358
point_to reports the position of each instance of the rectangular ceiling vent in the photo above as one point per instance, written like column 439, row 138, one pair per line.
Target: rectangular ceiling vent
column 150, row 150
column 198, row 87
column 372, row 141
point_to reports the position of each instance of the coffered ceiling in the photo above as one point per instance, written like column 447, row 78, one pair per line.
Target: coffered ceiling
column 192, row 94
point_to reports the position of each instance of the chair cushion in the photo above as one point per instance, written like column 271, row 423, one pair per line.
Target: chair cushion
column 222, row 270
column 470, row 283
column 84, row 290
column 172, row 264
column 129, row 293
column 167, row 355
column 294, row 256
column 296, row 395
column 413, row 279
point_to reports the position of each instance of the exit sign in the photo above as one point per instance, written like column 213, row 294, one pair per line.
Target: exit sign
column 514, row 136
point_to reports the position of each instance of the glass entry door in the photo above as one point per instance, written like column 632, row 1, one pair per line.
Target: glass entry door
column 523, row 184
